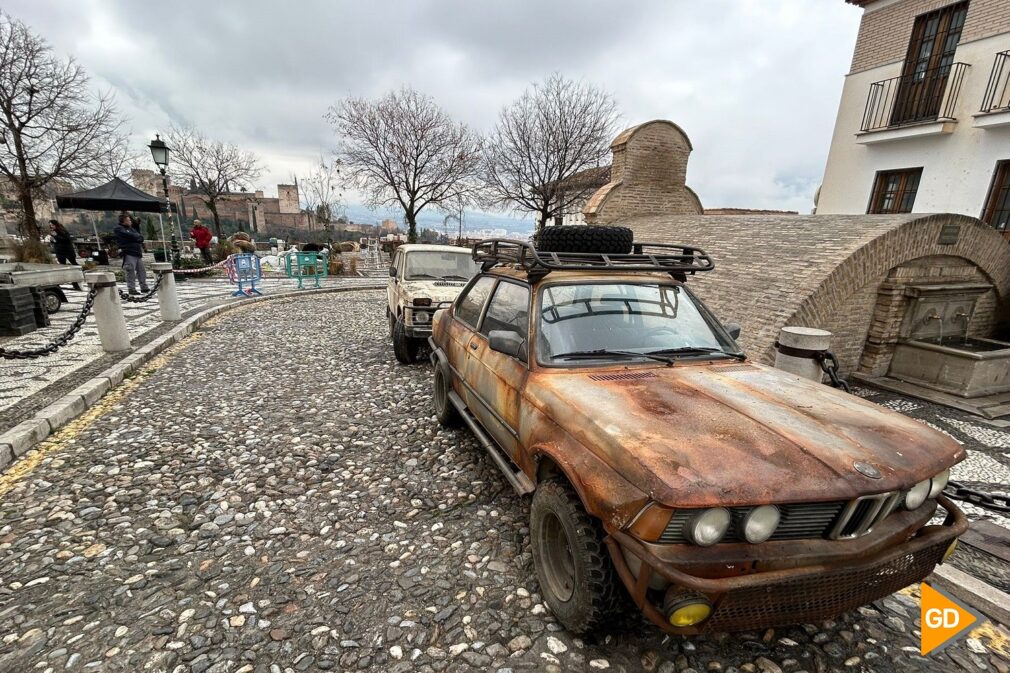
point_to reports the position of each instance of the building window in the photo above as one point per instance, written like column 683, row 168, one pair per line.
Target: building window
column 894, row 191
column 997, row 205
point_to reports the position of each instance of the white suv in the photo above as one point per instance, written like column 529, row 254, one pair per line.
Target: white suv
column 422, row 279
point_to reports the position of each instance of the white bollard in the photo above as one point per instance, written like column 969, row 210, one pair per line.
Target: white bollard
column 795, row 349
column 109, row 312
column 168, row 299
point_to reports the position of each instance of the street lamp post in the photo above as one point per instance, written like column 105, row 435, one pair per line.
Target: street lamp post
column 160, row 152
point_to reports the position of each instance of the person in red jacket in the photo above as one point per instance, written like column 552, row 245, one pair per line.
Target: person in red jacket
column 201, row 236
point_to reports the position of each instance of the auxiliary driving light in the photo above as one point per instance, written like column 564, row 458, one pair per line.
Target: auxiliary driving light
column 917, row 495
column 688, row 611
column 708, row 526
column 422, row 301
column 420, row 316
column 950, row 551
column 760, row 523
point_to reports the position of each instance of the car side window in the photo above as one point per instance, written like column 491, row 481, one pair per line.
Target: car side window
column 509, row 310
column 469, row 307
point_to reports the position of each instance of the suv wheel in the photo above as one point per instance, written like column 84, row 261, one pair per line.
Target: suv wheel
column 585, row 238
column 404, row 347
column 577, row 578
column 444, row 410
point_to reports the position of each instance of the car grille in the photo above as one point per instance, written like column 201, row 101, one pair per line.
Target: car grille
column 802, row 521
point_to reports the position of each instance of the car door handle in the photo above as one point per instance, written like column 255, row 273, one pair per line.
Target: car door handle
column 473, row 346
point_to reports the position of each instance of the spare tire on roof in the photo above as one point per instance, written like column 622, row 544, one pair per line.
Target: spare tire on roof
column 585, row 238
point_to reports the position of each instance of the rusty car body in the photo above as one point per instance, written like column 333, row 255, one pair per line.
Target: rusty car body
column 651, row 444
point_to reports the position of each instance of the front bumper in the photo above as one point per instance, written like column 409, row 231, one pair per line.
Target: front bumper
column 811, row 592
column 417, row 321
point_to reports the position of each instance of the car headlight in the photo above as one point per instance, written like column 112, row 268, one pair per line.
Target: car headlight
column 917, row 495
column 420, row 316
column 760, row 523
column 938, row 483
column 709, row 526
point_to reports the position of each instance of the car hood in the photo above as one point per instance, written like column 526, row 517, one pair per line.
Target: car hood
column 697, row 435
column 435, row 290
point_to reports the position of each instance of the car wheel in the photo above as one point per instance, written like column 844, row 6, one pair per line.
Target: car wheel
column 404, row 348
column 445, row 411
column 585, row 239
column 391, row 319
column 53, row 302
column 577, row 579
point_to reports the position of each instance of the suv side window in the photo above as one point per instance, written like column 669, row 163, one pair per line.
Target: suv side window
column 509, row 310
column 469, row 307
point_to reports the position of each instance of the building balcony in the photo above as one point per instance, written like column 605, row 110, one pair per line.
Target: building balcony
column 996, row 101
column 918, row 104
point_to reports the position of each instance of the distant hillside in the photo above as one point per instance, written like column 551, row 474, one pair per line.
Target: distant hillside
column 432, row 219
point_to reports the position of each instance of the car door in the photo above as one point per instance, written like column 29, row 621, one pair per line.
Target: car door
column 495, row 380
column 394, row 282
column 462, row 327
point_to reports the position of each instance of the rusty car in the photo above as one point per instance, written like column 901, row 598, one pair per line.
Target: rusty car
column 720, row 493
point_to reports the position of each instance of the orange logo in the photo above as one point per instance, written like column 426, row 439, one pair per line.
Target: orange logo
column 943, row 619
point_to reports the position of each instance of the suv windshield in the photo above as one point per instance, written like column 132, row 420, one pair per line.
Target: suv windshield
column 610, row 321
column 428, row 264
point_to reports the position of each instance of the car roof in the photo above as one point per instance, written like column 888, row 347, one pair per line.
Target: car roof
column 420, row 247
column 555, row 277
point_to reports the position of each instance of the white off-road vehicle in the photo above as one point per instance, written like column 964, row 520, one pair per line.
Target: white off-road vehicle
column 422, row 279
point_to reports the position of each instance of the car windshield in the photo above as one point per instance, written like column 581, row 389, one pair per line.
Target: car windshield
column 610, row 321
column 440, row 264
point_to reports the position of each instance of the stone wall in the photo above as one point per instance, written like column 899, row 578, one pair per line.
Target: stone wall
column 647, row 176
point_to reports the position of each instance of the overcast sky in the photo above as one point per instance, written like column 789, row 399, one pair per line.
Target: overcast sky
column 754, row 83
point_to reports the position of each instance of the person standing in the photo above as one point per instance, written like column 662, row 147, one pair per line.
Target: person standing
column 131, row 247
column 201, row 237
column 63, row 243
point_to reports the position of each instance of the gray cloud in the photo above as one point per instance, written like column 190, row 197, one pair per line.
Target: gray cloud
column 755, row 84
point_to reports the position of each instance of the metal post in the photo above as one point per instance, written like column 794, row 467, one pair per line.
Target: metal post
column 109, row 312
column 796, row 348
column 168, row 299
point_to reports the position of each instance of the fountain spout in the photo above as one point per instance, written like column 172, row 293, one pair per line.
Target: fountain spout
column 966, row 319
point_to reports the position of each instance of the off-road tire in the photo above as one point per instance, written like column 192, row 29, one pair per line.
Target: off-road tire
column 585, row 238
column 597, row 596
column 391, row 319
column 445, row 410
column 404, row 347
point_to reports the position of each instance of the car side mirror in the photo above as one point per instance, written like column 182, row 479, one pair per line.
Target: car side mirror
column 506, row 342
column 392, row 272
column 733, row 329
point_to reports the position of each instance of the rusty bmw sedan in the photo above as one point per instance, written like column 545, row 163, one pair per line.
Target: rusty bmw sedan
column 717, row 493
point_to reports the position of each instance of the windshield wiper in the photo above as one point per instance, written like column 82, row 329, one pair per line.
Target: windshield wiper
column 607, row 352
column 699, row 350
column 415, row 276
column 452, row 276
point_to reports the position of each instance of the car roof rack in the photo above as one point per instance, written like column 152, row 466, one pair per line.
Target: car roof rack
column 677, row 260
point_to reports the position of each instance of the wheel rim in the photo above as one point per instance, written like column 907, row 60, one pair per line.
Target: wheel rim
column 52, row 303
column 557, row 557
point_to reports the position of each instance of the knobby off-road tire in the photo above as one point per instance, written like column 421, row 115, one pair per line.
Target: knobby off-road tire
column 445, row 411
column 404, row 347
column 590, row 596
column 585, row 238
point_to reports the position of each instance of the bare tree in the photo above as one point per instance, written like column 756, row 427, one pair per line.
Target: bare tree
column 212, row 166
column 52, row 127
column 556, row 129
column 403, row 149
column 321, row 191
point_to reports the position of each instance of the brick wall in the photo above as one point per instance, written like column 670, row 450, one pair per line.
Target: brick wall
column 830, row 271
column 884, row 33
column 647, row 176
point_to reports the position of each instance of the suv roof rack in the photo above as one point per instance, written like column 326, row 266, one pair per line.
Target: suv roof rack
column 677, row 260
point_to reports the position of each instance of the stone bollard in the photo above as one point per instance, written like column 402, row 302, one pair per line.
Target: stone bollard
column 795, row 350
column 168, row 300
column 109, row 312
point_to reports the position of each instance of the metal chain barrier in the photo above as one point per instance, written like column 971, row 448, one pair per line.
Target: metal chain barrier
column 829, row 364
column 59, row 341
column 992, row 501
column 126, row 296
column 201, row 269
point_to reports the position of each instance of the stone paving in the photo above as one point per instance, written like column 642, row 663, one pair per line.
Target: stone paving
column 318, row 518
column 22, row 378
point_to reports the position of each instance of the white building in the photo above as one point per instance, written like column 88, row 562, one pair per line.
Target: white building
column 924, row 121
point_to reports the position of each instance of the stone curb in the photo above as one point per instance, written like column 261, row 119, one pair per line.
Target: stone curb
column 23, row 436
column 985, row 598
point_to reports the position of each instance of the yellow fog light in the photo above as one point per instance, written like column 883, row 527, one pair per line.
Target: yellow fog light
column 689, row 612
column 950, row 551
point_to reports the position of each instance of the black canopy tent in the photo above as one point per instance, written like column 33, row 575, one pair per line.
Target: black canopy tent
column 115, row 194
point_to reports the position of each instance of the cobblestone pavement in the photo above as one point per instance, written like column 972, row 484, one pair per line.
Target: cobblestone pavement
column 320, row 519
column 20, row 379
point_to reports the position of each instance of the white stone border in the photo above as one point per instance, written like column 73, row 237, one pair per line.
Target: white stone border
column 23, row 436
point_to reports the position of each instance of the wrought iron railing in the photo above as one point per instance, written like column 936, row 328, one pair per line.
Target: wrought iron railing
column 997, row 92
column 927, row 95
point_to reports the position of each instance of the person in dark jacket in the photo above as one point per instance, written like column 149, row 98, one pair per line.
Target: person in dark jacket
column 131, row 248
column 63, row 243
